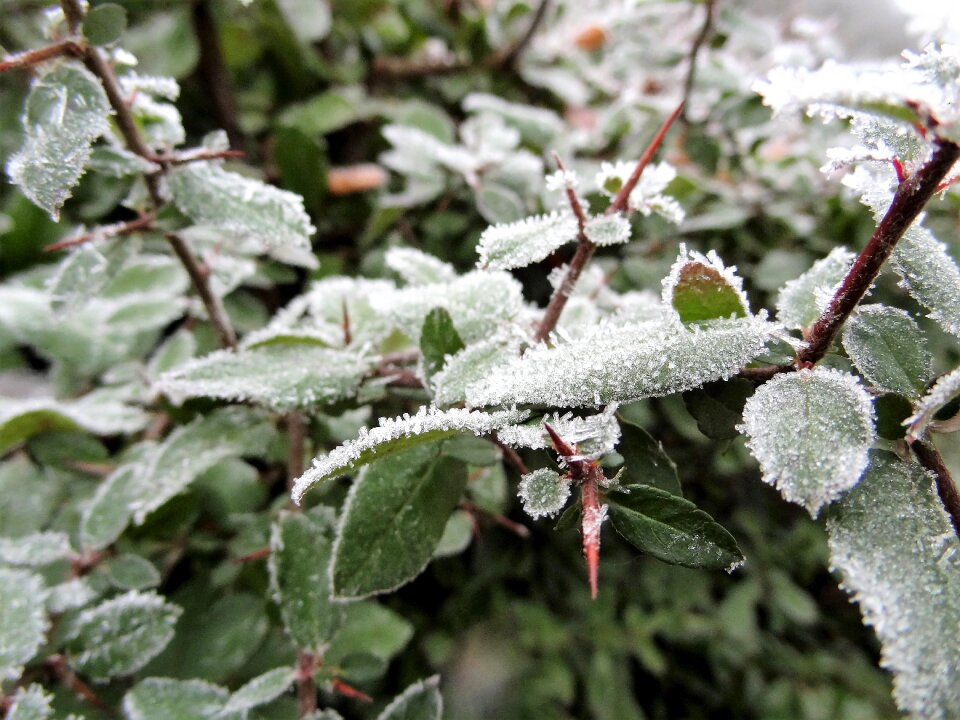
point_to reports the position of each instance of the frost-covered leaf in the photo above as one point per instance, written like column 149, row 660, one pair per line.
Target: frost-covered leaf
column 66, row 111
column 30, row 497
column 420, row 701
column 537, row 125
column 121, row 635
column 621, row 362
column 169, row 699
column 300, row 552
column 395, row 434
column 261, row 690
column 498, row 203
column 522, row 243
column 70, row 595
column 36, row 549
column 606, row 230
column 543, row 492
column 898, row 555
column 281, row 376
column 648, row 195
column 210, row 195
column 930, row 274
column 701, row 288
column 672, row 529
column 104, row 24
column 393, row 520
column 23, row 619
column 943, row 391
column 592, row 435
column 645, row 462
column 888, row 348
column 30, row 703
column 438, row 340
column 115, row 161
column 802, row 300
column 469, row 366
column 810, row 431
column 80, row 274
column 107, row 515
column 309, row 20
column 175, row 350
column 416, row 267
column 418, row 153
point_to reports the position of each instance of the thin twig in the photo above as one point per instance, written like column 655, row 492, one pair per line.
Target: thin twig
column 932, row 460
column 28, row 58
column 573, row 200
column 213, row 72
column 911, row 197
column 306, row 686
column 73, row 12
column 511, row 455
column 215, row 311
column 762, row 374
column 705, row 30
column 144, row 222
column 506, row 57
column 57, row 664
column 501, row 520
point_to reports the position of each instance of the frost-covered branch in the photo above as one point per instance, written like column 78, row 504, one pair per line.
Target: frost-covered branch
column 911, row 197
column 698, row 41
column 143, row 222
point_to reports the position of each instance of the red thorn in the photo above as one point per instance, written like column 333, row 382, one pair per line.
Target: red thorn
column 898, row 168
column 250, row 557
column 591, row 521
column 340, row 687
column 561, row 445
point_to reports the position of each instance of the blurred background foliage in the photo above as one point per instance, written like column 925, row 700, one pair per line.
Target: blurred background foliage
column 304, row 88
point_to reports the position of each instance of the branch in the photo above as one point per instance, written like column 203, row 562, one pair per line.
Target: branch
column 506, row 57
column 911, row 197
column 306, row 687
column 213, row 71
column 144, row 222
column 215, row 311
column 698, row 42
column 930, row 458
column 57, row 664
column 296, row 442
column 28, row 58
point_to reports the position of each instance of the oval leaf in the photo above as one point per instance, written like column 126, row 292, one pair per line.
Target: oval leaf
column 23, row 621
column 420, row 701
column 889, row 349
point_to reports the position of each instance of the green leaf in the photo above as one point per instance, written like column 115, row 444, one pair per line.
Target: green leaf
column 107, row 515
column 396, row 434
column 644, row 461
column 802, row 300
column 899, row 556
column 416, row 267
column 368, row 629
column 37, row 549
column 210, row 195
column 393, row 520
column 104, row 24
column 420, row 701
column 892, row 412
column 29, row 498
column 718, row 407
column 279, row 376
column 944, row 390
column 308, row 20
column 167, row 699
column 121, row 635
column 325, row 113
column 23, row 619
column 498, row 203
column 117, row 162
column 303, row 165
column 261, row 690
column 130, row 572
column 438, row 339
column 30, row 703
column 672, row 529
column 929, row 273
column 701, row 288
column 300, row 553
column 66, row 111
column 889, row 349
column 457, row 535
column 810, row 431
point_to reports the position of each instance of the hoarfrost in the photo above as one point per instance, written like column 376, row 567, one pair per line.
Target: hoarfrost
column 469, row 366
column 543, row 493
column 39, row 548
column 888, row 348
column 23, row 620
column 810, row 431
column 606, row 230
column 943, row 391
column 594, row 435
column 521, row 243
column 801, row 301
column 416, row 267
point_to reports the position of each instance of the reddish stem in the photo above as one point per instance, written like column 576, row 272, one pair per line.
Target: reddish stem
column 591, row 521
column 306, row 686
column 258, row 554
column 29, row 58
column 932, row 460
column 342, row 688
column 144, row 222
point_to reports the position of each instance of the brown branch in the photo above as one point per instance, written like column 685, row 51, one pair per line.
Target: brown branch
column 501, row 520
column 507, row 56
column 932, row 460
column 573, row 200
column 306, row 686
column 296, row 441
column 144, row 222
column 58, row 666
column 762, row 374
column 511, row 455
column 698, row 42
column 213, row 72
column 215, row 311
column 73, row 12
column 28, row 58
column 197, row 156
column 911, row 197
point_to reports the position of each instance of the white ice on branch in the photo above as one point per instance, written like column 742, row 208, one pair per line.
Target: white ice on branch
column 593, row 435
column 648, row 195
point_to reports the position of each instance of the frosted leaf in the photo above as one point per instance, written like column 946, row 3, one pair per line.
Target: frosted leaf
column 80, row 274
column 133, row 83
column 521, row 243
column 121, row 635
column 700, row 287
column 160, row 122
column 211, row 195
column 118, row 162
column 561, row 180
column 606, row 230
column 282, row 376
column 810, row 431
column 65, row 112
column 468, row 366
column 261, row 690
column 888, row 349
column 31, row 703
column 166, row 699
column 23, row 620
column 420, row 701
column 930, row 275
column 943, row 391
column 593, row 435
column 538, row 125
column 417, row 153
column 416, row 267
column 618, row 362
column 70, row 595
column 457, row 535
column 543, row 493
column 647, row 197
column 801, row 301
column 426, row 425
column 37, row 549
column 308, row 20
column 899, row 557
column 480, row 303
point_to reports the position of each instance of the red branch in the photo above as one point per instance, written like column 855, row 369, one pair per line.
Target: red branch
column 930, row 458
column 306, row 686
column 144, row 222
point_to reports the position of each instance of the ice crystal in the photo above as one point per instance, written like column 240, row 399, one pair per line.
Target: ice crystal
column 943, row 391
column 802, row 300
column 810, row 431
column 211, row 195
column 66, row 111
column 468, row 366
column 416, row 267
column 647, row 197
column 616, row 362
column 562, row 180
column 521, row 243
column 605, row 230
column 543, row 493
column 427, row 422
column 898, row 555
column 593, row 435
